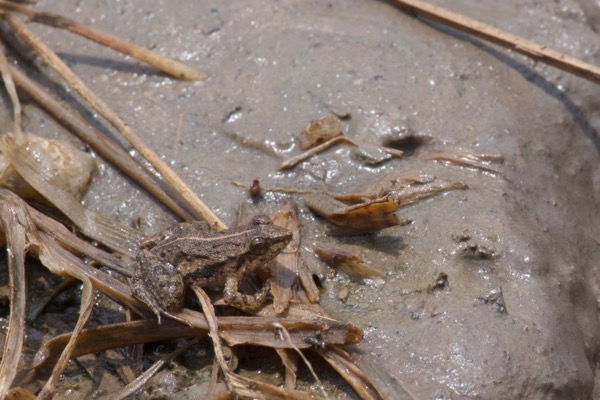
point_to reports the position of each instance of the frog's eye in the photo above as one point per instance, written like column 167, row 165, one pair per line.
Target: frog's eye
column 258, row 245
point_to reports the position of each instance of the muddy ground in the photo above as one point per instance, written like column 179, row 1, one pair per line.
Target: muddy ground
column 531, row 232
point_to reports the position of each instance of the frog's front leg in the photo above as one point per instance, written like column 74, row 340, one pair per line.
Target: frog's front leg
column 246, row 302
column 158, row 283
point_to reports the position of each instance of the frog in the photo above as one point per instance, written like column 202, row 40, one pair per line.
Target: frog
column 191, row 253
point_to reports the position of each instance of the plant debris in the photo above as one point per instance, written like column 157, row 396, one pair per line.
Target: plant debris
column 353, row 265
column 292, row 162
column 466, row 158
column 57, row 158
column 319, row 131
column 84, row 240
column 366, row 216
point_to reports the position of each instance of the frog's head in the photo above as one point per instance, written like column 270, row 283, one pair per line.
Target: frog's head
column 268, row 239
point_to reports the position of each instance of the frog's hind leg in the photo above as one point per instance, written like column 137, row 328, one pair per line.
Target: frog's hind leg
column 158, row 284
column 245, row 302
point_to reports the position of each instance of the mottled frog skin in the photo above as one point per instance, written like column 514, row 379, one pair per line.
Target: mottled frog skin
column 191, row 253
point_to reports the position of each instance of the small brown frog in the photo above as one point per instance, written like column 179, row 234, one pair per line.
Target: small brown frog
column 191, row 253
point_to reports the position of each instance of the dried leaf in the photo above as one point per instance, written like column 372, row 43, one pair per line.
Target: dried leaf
column 404, row 187
column 284, row 269
column 351, row 264
column 319, row 131
column 368, row 216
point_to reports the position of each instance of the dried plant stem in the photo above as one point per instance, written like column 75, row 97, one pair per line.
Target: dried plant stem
column 192, row 203
column 505, row 39
column 288, row 338
column 290, row 362
column 165, row 64
column 277, row 189
column 93, row 224
column 241, row 386
column 106, row 148
column 22, row 235
column 143, row 379
column 85, row 309
column 292, row 162
column 11, row 90
column 339, row 360
column 15, row 231
column 213, row 332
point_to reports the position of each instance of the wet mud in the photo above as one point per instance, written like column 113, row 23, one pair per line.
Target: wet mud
column 518, row 315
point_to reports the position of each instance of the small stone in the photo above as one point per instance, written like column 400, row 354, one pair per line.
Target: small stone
column 343, row 294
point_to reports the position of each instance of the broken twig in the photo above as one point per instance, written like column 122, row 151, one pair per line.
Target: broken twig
column 167, row 65
column 538, row 52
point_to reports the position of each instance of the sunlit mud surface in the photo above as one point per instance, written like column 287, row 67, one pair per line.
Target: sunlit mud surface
column 518, row 317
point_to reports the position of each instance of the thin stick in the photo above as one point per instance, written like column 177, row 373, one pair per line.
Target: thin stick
column 12, row 92
column 292, row 162
column 278, row 189
column 106, row 148
column 143, row 379
column 192, row 203
column 505, row 39
column 287, row 337
column 213, row 332
column 165, row 64
column 16, row 243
